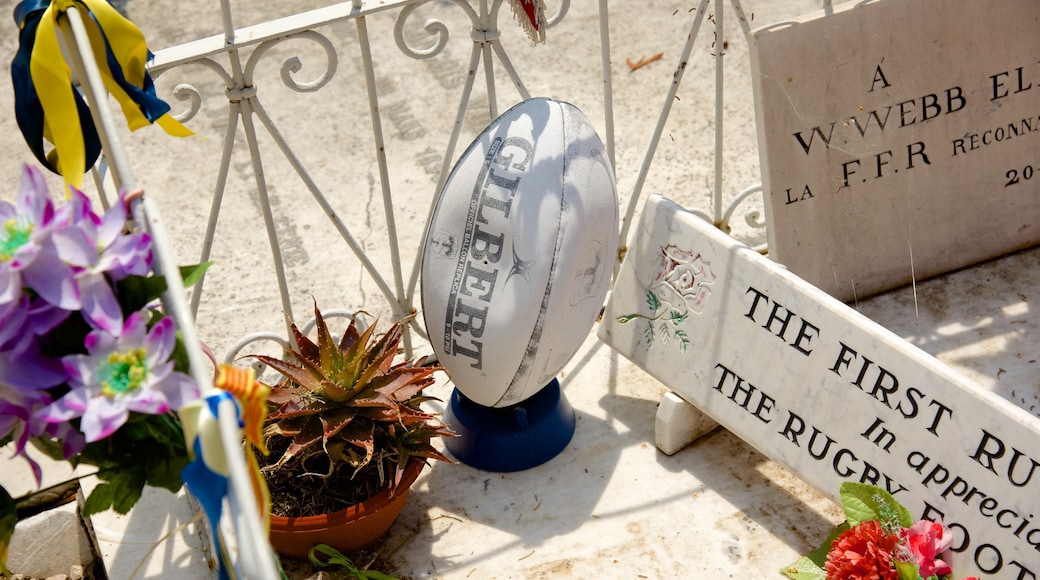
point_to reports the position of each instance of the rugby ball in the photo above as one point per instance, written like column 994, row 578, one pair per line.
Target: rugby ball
column 519, row 251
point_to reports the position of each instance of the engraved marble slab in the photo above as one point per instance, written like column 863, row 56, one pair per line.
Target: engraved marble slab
column 825, row 391
column 899, row 140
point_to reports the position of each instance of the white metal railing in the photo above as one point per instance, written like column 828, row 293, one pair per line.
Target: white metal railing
column 233, row 56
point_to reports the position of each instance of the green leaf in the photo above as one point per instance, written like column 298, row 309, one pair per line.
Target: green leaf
column 119, row 490
column 653, row 301
column 684, row 340
column 99, row 500
column 167, row 474
column 907, row 571
column 135, row 292
column 179, row 356
column 126, row 497
column 49, row 447
column 819, row 555
column 192, row 274
column 129, row 484
column 864, row 502
column 336, row 558
column 627, row 318
column 8, row 519
column 804, row 569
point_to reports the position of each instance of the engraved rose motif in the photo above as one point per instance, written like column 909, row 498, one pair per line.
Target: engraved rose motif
column 682, row 279
column 680, row 285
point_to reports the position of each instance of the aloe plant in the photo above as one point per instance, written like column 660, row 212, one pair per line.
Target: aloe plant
column 349, row 404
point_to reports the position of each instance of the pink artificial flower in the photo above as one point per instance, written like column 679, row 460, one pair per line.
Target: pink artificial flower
column 926, row 541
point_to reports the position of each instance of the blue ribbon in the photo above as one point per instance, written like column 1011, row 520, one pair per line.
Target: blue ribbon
column 210, row 488
column 38, row 70
column 27, row 108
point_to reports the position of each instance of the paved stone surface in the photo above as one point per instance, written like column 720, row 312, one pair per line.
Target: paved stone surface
column 610, row 504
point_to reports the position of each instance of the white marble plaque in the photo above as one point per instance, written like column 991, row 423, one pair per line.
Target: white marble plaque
column 899, row 139
column 825, row 391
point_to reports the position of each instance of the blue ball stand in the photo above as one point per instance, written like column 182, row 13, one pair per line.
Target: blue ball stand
column 513, row 438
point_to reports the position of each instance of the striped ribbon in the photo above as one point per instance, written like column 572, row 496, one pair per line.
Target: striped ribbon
column 207, row 474
column 47, row 105
column 251, row 395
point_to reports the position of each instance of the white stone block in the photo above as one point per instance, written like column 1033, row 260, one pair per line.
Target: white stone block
column 679, row 423
column 898, row 140
column 50, row 543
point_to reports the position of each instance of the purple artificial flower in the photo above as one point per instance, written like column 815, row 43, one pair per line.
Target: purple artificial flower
column 24, row 379
column 116, row 256
column 121, row 373
column 38, row 250
column 24, row 320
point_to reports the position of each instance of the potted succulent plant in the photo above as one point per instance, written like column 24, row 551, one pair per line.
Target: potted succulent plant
column 347, row 437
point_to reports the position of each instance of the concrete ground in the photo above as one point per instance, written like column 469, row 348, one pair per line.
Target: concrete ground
column 610, row 505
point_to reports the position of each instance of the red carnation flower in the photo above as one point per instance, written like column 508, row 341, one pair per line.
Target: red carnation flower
column 862, row 553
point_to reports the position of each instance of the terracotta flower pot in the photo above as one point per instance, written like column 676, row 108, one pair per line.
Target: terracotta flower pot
column 356, row 527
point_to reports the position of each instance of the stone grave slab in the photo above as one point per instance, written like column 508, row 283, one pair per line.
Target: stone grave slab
column 899, row 140
column 825, row 391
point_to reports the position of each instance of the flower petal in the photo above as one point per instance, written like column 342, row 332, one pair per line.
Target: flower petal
column 74, row 440
column 130, row 254
column 112, row 224
column 150, row 402
column 74, row 246
column 80, row 212
column 161, row 340
column 80, row 368
column 135, row 331
column 10, row 285
column 72, row 405
column 100, row 308
column 180, row 390
column 53, row 281
column 13, row 318
column 44, row 317
column 29, row 371
column 102, row 417
column 33, row 196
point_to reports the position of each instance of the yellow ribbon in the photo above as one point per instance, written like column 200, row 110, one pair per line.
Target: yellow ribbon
column 53, row 80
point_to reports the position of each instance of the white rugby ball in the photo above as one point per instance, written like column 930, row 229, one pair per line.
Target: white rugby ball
column 519, row 252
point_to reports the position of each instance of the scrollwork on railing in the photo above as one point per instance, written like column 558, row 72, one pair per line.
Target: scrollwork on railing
column 555, row 19
column 186, row 92
column 753, row 218
column 191, row 93
column 231, row 358
column 433, row 26
column 293, row 65
column 286, row 345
